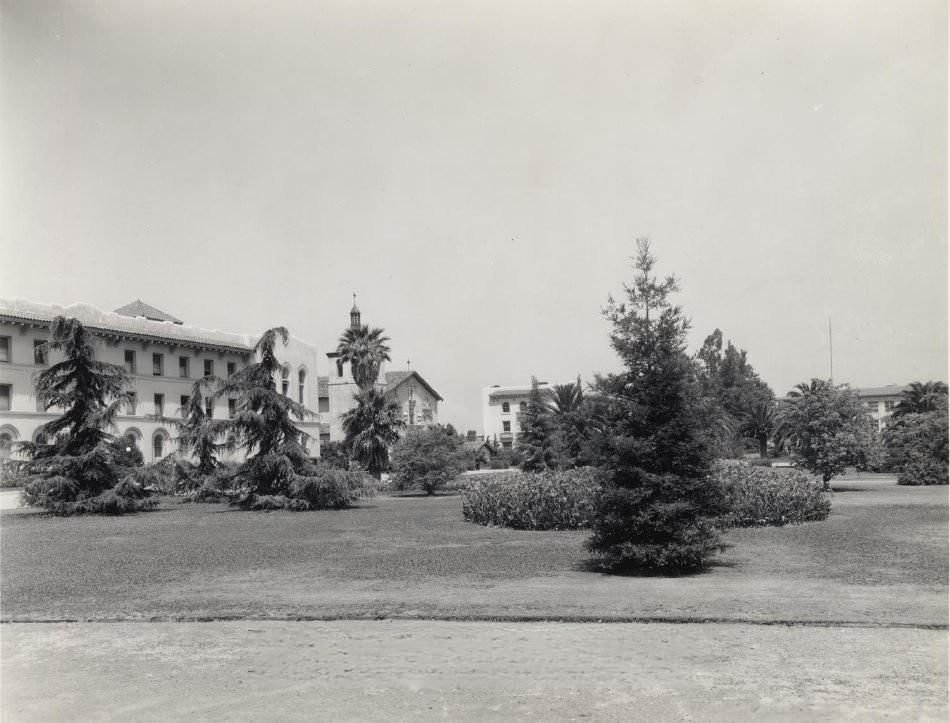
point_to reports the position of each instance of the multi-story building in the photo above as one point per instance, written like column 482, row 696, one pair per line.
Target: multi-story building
column 418, row 401
column 881, row 401
column 163, row 357
column 501, row 412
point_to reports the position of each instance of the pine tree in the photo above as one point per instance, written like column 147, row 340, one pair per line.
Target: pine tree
column 277, row 471
column 656, row 511
column 536, row 439
column 75, row 469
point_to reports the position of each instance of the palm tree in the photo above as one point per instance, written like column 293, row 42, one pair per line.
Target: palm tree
column 371, row 427
column 759, row 423
column 920, row 398
column 565, row 398
column 365, row 349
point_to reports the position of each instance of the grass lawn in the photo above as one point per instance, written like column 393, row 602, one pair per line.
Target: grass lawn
column 880, row 558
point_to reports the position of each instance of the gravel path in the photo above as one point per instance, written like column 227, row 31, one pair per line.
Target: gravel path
column 412, row 670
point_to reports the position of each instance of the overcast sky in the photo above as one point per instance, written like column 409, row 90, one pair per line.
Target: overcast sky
column 479, row 171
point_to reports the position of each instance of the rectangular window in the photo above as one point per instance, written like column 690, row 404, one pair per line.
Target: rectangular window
column 209, row 367
column 324, row 404
column 184, row 404
column 130, row 361
column 889, row 406
column 39, row 352
column 4, row 348
column 133, row 401
column 159, row 405
column 209, row 406
column 506, row 426
column 232, row 408
column 158, row 364
column 6, row 393
column 232, row 367
column 184, row 367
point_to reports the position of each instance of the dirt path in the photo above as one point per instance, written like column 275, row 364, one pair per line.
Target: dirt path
column 412, row 670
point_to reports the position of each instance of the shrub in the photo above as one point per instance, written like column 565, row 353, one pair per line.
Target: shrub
column 427, row 458
column 13, row 473
column 334, row 454
column 324, row 488
column 550, row 500
column 923, row 471
column 769, row 496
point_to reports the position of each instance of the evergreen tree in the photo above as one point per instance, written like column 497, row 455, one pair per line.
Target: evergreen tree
column 75, row 469
column 656, row 511
column 536, row 439
column 277, row 471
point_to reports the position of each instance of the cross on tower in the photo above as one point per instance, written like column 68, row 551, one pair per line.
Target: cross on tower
column 408, row 368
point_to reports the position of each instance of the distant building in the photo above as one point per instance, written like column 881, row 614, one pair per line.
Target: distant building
column 501, row 412
column 880, row 401
column 417, row 399
column 162, row 355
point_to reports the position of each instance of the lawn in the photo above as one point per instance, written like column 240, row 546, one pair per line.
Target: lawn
column 881, row 557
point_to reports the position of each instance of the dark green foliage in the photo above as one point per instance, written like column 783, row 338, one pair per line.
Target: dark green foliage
column 578, row 421
column 917, row 447
column 75, row 470
column 922, row 397
column 325, row 488
column 758, row 495
column 550, row 500
column 827, row 429
column 742, row 405
column 536, row 443
column 427, row 459
column 658, row 507
column 13, row 473
column 365, row 349
column 334, row 454
column 125, row 452
column 277, row 465
column 371, row 427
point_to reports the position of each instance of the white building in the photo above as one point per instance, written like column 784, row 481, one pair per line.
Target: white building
column 162, row 355
column 880, row 401
column 501, row 412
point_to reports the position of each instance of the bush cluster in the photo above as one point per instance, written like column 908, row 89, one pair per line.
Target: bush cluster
column 769, row 496
column 923, row 471
column 325, row 488
column 13, row 473
column 550, row 500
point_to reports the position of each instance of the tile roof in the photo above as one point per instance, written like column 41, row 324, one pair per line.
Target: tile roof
column 136, row 327
column 394, row 379
column 140, row 308
column 891, row 390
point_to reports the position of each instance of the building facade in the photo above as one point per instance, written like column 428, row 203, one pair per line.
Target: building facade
column 501, row 412
column 880, row 402
column 163, row 357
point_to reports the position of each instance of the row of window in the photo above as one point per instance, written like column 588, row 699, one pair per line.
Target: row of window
column 184, row 399
column 39, row 350
column 888, row 405
column 506, row 408
column 184, row 365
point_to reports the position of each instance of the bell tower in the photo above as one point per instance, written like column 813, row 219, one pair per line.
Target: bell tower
column 354, row 315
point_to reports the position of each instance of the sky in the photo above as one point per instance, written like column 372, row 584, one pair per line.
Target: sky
column 479, row 173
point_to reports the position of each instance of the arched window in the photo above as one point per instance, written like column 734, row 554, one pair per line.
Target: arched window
column 523, row 406
column 8, row 435
column 158, row 445
column 6, row 444
column 285, row 381
column 505, row 408
column 301, row 383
